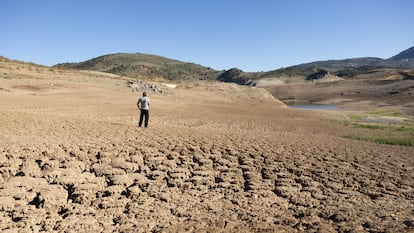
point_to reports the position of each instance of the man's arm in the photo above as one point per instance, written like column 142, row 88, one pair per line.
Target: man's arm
column 138, row 104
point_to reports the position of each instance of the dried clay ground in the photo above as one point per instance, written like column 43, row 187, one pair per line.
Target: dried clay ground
column 216, row 158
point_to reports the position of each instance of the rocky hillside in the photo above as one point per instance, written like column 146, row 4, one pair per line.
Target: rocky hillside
column 235, row 75
column 144, row 66
column 399, row 66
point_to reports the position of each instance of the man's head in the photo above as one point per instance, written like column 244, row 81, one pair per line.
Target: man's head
column 144, row 94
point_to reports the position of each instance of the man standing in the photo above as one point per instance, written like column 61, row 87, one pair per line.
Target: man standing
column 143, row 105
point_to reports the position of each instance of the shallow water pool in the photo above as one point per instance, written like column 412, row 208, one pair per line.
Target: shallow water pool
column 315, row 106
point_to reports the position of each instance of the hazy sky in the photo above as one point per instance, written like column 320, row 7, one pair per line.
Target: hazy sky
column 253, row 35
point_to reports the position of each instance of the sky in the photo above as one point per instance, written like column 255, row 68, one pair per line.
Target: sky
column 252, row 35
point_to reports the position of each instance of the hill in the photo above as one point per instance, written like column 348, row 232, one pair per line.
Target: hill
column 405, row 59
column 144, row 66
column 347, row 68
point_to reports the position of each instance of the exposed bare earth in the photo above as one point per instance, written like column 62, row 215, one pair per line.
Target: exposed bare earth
column 349, row 94
column 216, row 157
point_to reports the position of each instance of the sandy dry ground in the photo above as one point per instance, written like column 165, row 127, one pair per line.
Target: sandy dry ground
column 216, row 158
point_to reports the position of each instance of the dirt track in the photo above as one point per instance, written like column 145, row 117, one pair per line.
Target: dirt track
column 213, row 159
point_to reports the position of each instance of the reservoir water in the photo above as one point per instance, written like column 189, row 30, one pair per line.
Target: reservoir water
column 315, row 106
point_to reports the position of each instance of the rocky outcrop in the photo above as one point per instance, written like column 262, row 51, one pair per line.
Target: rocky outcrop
column 234, row 75
column 151, row 87
column 317, row 75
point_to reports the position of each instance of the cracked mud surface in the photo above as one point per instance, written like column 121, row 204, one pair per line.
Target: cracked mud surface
column 214, row 159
